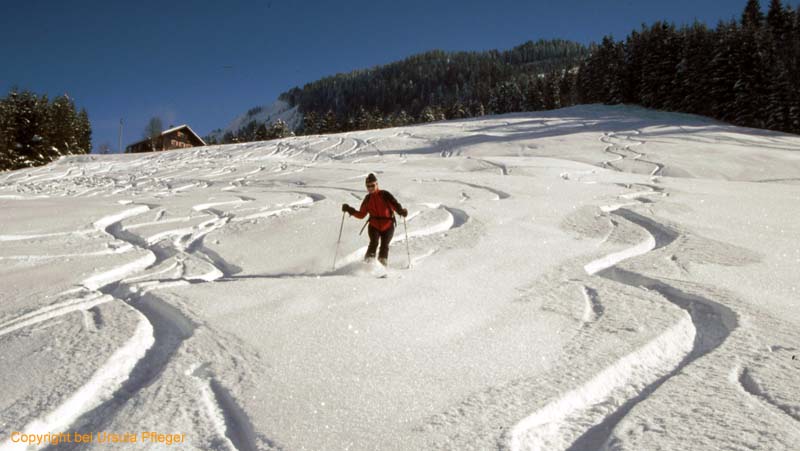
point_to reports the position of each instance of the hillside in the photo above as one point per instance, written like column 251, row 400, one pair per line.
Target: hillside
column 567, row 279
column 433, row 84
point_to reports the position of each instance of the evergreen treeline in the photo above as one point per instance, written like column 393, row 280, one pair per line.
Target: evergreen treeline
column 441, row 85
column 35, row 131
column 744, row 72
column 432, row 86
column 253, row 131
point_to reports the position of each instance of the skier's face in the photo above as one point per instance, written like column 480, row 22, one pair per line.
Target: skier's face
column 372, row 186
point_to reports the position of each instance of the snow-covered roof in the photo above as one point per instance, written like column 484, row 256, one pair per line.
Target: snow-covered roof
column 170, row 130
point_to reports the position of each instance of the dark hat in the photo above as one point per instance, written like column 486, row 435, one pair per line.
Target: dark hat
column 371, row 178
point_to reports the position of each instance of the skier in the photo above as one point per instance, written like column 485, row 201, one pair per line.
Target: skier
column 381, row 206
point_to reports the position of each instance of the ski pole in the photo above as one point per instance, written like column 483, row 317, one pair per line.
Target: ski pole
column 364, row 227
column 338, row 241
column 405, row 226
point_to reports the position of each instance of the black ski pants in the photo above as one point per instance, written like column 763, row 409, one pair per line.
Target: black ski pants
column 384, row 237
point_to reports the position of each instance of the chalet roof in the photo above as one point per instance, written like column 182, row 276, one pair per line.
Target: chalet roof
column 189, row 129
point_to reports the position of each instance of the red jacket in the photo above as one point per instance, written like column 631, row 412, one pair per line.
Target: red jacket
column 380, row 205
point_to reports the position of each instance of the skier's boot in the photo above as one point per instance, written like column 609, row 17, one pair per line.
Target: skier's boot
column 383, row 261
column 369, row 258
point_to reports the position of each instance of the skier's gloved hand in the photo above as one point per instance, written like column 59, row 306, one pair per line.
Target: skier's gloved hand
column 346, row 208
column 403, row 212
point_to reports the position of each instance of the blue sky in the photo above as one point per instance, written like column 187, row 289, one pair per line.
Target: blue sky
column 203, row 62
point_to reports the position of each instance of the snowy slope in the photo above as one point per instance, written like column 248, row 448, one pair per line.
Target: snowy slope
column 588, row 278
column 266, row 114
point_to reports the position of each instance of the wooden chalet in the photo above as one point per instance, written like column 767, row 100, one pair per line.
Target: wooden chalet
column 178, row 137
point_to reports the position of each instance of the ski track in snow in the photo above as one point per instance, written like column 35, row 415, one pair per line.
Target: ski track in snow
column 354, row 148
column 171, row 329
column 161, row 331
column 279, row 209
column 500, row 195
column 98, row 388
column 44, row 235
column 594, row 309
column 781, row 180
column 238, row 428
column 110, row 376
column 616, row 150
column 502, row 167
column 363, row 144
column 455, row 218
column 608, row 396
column 53, row 311
column 581, row 417
column 213, row 398
column 751, row 387
column 374, row 140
